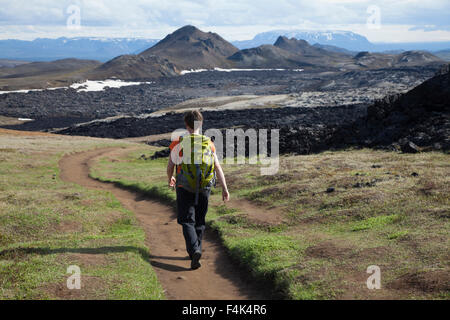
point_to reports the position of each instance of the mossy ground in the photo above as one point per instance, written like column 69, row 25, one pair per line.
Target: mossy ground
column 387, row 209
column 47, row 225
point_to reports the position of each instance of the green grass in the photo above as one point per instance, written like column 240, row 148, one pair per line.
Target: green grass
column 398, row 235
column 374, row 222
column 378, row 214
column 223, row 210
column 46, row 225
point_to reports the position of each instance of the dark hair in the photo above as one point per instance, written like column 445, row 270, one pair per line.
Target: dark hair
column 191, row 116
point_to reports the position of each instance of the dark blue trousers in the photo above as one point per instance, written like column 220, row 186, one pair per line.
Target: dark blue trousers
column 192, row 217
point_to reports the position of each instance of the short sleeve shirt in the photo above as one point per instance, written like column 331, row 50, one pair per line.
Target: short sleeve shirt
column 175, row 143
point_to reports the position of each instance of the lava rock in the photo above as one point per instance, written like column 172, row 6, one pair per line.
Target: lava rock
column 161, row 154
column 410, row 147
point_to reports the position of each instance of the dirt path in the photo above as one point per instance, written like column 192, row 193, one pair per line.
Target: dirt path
column 217, row 279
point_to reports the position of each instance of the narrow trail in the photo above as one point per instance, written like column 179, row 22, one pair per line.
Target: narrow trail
column 217, row 279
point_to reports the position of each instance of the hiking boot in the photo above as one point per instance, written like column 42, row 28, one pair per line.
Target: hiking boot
column 195, row 263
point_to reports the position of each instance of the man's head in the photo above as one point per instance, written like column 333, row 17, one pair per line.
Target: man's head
column 193, row 120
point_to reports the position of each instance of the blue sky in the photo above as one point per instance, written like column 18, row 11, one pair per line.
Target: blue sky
column 399, row 20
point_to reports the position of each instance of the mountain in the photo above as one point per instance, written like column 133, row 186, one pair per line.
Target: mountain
column 290, row 53
column 293, row 45
column 5, row 63
column 41, row 68
column 102, row 49
column 303, row 48
column 405, row 59
column 443, row 54
column 373, row 60
column 186, row 48
column 417, row 58
column 267, row 56
column 294, row 53
column 410, row 46
column 343, row 39
column 38, row 75
column 129, row 67
column 191, row 48
column 105, row 49
column 335, row 49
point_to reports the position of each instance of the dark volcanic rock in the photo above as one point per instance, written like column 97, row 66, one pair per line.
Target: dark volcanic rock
column 160, row 154
column 419, row 118
column 409, row 147
column 311, row 125
column 160, row 143
column 165, row 92
column 416, row 121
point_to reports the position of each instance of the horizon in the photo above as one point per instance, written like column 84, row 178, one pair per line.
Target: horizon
column 94, row 37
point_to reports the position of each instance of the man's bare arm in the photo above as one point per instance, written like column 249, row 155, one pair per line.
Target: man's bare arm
column 170, row 170
column 222, row 180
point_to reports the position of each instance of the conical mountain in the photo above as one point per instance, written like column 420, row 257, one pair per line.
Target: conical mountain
column 190, row 48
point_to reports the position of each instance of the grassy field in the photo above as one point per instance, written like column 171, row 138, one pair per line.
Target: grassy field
column 311, row 231
column 47, row 225
column 325, row 218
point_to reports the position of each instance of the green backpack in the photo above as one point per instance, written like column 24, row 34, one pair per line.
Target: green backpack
column 197, row 169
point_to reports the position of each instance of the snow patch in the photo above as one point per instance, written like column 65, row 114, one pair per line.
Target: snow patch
column 90, row 85
column 87, row 86
column 30, row 90
column 235, row 70
column 192, row 71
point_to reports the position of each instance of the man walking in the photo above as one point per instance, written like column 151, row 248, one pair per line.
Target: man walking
column 197, row 167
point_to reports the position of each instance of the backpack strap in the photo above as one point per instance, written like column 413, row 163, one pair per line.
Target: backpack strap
column 197, row 187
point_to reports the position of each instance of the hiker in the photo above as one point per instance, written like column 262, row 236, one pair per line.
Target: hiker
column 196, row 172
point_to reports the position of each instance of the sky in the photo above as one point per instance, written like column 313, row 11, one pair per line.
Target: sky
column 378, row 20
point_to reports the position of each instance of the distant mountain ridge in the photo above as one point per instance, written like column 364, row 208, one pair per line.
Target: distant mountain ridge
column 294, row 53
column 404, row 59
column 37, row 75
column 6, row 63
column 190, row 48
column 344, row 39
column 347, row 40
column 443, row 54
column 335, row 49
column 105, row 49
column 102, row 49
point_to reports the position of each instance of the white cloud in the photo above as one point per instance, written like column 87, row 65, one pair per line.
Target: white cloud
column 234, row 19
